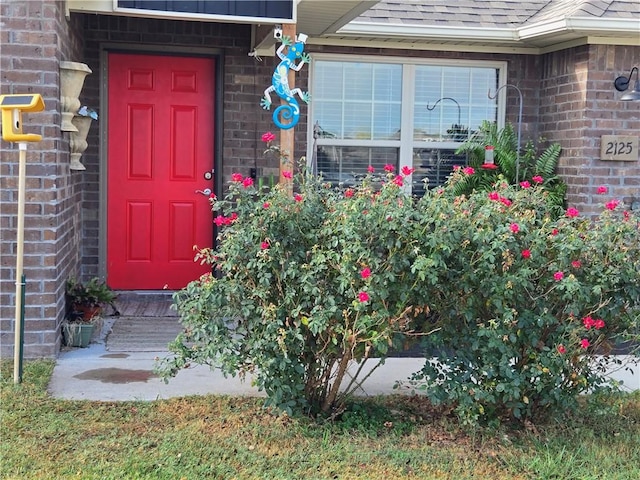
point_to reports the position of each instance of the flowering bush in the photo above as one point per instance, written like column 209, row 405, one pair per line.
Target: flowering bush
column 512, row 299
column 531, row 168
column 308, row 284
column 521, row 301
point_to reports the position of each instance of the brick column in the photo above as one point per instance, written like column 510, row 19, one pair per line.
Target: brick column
column 579, row 104
column 35, row 38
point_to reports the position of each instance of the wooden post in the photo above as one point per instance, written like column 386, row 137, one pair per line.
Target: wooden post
column 287, row 136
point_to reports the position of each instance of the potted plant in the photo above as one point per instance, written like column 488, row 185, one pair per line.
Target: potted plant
column 84, row 304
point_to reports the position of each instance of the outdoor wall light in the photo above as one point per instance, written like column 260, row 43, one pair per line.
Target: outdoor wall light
column 622, row 83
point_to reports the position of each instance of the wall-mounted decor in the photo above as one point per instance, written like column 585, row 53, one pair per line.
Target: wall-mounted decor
column 72, row 75
column 287, row 116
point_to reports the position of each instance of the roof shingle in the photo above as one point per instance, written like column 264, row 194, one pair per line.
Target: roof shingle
column 495, row 14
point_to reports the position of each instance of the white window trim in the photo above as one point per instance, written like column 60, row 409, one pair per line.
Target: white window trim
column 406, row 144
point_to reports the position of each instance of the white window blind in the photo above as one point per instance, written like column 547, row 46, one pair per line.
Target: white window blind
column 368, row 112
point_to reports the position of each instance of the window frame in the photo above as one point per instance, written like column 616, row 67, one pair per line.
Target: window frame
column 406, row 144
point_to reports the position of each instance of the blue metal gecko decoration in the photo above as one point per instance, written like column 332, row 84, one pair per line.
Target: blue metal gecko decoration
column 280, row 83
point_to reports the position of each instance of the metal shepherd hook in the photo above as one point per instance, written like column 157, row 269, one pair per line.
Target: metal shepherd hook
column 519, row 123
column 454, row 101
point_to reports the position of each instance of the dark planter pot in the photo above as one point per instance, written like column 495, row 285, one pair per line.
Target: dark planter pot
column 77, row 334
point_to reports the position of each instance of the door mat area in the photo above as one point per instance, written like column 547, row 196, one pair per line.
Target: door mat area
column 142, row 334
column 145, row 306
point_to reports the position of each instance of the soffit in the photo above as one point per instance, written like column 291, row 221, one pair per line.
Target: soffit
column 320, row 17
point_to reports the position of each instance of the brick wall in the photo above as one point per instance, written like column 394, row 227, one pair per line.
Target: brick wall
column 578, row 105
column 35, row 37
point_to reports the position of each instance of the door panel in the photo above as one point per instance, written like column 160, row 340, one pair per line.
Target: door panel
column 160, row 144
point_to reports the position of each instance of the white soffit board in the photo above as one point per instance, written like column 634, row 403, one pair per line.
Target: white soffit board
column 320, row 17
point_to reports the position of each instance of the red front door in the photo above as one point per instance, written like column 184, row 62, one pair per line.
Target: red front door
column 160, row 153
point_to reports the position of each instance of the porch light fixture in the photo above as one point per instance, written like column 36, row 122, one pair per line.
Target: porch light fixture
column 622, row 83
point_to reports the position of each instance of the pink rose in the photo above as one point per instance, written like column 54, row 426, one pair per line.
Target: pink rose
column 537, row 179
column 363, row 297
column 572, row 212
column 268, row 137
column 602, row 190
column 612, row 204
column 287, row 174
column 236, row 177
column 588, row 322
column 558, row 276
column 365, row 272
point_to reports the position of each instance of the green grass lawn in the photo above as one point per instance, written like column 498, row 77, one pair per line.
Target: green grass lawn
column 211, row 437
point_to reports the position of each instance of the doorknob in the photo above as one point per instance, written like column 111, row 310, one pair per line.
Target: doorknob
column 206, row 191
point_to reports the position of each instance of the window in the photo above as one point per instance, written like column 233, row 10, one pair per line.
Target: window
column 370, row 112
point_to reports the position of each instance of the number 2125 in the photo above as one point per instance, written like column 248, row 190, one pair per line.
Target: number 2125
column 619, row 148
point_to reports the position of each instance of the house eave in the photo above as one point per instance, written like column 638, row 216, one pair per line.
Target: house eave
column 582, row 26
column 422, row 45
column 433, row 32
column 543, row 36
column 314, row 19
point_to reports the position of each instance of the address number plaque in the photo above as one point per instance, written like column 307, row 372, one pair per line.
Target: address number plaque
column 619, row 148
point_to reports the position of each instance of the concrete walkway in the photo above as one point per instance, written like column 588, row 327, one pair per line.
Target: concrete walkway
column 94, row 373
